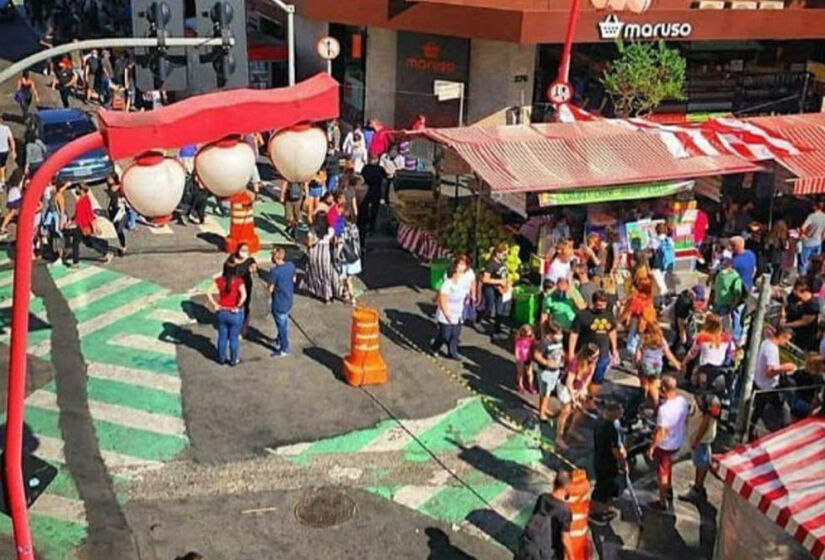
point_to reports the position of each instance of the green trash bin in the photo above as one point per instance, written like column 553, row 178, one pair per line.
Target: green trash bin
column 438, row 268
column 525, row 304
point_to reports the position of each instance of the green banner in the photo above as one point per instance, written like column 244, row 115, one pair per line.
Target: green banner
column 589, row 195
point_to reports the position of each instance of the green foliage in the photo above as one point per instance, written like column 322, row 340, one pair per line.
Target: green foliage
column 644, row 75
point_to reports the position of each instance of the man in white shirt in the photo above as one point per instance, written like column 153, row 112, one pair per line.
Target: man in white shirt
column 561, row 265
column 766, row 377
column 7, row 150
column 668, row 437
column 813, row 233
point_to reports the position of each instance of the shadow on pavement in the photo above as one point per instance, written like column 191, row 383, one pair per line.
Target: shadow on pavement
column 328, row 359
column 441, row 548
column 212, row 239
column 178, row 335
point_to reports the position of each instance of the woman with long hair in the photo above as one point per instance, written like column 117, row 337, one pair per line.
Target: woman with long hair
column 777, row 249
column 450, row 312
column 322, row 280
column 245, row 266
column 229, row 289
column 712, row 347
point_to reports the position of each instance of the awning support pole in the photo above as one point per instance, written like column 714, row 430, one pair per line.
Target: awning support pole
column 745, row 405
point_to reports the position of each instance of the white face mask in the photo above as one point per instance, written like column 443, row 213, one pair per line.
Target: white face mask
column 243, row 254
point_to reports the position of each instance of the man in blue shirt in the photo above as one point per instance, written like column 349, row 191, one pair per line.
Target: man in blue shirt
column 744, row 262
column 282, row 288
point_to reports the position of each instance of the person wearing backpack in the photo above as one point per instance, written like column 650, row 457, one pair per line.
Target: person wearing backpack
column 664, row 257
column 349, row 257
column 292, row 197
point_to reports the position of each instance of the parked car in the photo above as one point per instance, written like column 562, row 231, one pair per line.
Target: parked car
column 7, row 10
column 57, row 127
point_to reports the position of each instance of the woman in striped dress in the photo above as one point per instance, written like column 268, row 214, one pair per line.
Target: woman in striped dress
column 322, row 280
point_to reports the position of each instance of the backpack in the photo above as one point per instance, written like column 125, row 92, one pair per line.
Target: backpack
column 351, row 246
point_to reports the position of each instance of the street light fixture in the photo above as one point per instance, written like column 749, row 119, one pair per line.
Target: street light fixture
column 298, row 152
column 154, row 184
column 226, row 166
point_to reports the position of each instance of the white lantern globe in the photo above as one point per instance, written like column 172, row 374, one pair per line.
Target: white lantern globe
column 225, row 166
column 154, row 184
column 298, row 152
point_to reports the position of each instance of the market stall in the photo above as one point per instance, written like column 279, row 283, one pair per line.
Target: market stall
column 774, row 501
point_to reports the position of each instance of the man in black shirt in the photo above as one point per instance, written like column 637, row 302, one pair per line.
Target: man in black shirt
column 608, row 460
column 374, row 177
column 596, row 325
column 546, row 535
column 801, row 312
column 494, row 284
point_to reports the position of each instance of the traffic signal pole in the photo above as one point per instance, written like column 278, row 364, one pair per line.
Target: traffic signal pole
column 113, row 42
column 290, row 36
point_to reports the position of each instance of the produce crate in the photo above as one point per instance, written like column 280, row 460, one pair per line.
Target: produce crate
column 438, row 267
column 525, row 304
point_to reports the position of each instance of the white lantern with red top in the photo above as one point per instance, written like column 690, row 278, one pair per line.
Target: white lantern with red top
column 154, row 184
column 298, row 152
column 225, row 166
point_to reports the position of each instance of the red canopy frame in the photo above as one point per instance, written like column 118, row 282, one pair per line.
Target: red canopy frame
column 203, row 119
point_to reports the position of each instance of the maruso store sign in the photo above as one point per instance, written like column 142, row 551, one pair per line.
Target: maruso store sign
column 611, row 28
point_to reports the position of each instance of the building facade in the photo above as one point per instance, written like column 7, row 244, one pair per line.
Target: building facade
column 744, row 56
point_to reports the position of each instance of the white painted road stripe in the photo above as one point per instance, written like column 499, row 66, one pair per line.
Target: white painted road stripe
column 145, row 343
column 414, row 496
column 52, row 449
column 103, row 320
column 76, row 276
column 138, row 419
column 132, row 376
column 492, row 437
column 163, row 230
column 171, row 316
column 103, row 291
column 396, row 438
column 61, row 508
column 211, row 225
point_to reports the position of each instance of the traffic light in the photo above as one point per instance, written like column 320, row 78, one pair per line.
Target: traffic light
column 161, row 67
column 223, row 66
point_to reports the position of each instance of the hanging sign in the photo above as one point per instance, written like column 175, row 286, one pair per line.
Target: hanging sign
column 612, row 193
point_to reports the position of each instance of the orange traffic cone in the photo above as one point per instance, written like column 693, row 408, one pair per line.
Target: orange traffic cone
column 365, row 365
column 242, row 224
column 579, row 501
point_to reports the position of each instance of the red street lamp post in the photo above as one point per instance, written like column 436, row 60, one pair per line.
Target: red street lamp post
column 198, row 120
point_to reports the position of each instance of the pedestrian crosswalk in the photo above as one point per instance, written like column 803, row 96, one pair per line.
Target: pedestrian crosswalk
column 471, row 432
column 133, row 388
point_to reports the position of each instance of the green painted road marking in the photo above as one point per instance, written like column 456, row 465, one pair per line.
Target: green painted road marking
column 63, row 484
column 96, row 349
column 100, row 278
column 457, row 428
column 351, row 442
column 112, row 302
column 54, row 539
column 519, row 450
column 132, row 396
column 454, row 503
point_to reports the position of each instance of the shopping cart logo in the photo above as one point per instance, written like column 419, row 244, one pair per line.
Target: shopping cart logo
column 610, row 28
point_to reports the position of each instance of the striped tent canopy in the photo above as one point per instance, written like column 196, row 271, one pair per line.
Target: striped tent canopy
column 713, row 137
column 783, row 475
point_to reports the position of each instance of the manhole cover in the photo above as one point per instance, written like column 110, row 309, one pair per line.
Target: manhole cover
column 325, row 507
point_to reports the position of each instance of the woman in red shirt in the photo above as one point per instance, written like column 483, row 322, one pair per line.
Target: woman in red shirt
column 84, row 227
column 231, row 294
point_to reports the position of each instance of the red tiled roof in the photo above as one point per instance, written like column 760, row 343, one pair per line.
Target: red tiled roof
column 548, row 157
column 808, row 130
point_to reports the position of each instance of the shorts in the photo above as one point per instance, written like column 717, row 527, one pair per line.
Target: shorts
column 607, row 488
column 701, row 455
column 14, row 204
column 550, row 383
column 601, row 369
column 663, row 460
column 351, row 269
column 4, row 158
column 292, row 210
column 316, row 192
column 649, row 372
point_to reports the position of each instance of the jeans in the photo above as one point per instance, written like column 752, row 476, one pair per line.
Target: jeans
column 805, row 256
column 131, row 219
column 332, row 183
column 494, row 306
column 230, row 324
column 449, row 335
column 74, row 236
column 282, row 325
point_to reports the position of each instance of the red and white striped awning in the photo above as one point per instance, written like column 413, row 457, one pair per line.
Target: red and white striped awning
column 783, row 475
column 713, row 137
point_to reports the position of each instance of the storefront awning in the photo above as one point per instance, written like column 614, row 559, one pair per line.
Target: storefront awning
column 809, row 167
column 555, row 157
column 782, row 475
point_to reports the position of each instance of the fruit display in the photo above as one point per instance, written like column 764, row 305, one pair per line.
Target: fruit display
column 458, row 234
column 419, row 208
column 512, row 262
